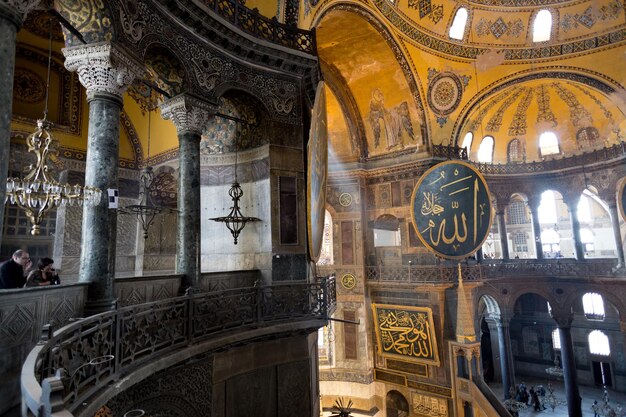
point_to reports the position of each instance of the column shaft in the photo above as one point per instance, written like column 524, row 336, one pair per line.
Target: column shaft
column 617, row 233
column 8, row 31
column 188, row 237
column 504, row 241
column 569, row 373
column 506, row 358
column 537, row 232
column 97, row 257
column 579, row 251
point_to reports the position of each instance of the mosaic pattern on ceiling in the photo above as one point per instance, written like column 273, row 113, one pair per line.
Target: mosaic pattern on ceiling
column 579, row 46
column 170, row 74
column 225, row 136
column 426, row 8
column 28, row 86
column 592, row 15
column 391, row 123
column 164, row 188
column 579, row 116
column 38, row 22
column 309, row 5
column 498, row 28
column 445, row 90
column 89, row 17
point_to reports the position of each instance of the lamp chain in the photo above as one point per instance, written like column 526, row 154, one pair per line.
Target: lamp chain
column 45, row 111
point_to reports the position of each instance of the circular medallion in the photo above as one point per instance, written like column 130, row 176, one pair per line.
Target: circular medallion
column 348, row 281
column 451, row 209
column 444, row 93
column 28, row 86
column 345, row 199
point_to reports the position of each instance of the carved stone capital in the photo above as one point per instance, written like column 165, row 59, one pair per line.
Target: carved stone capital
column 102, row 68
column 188, row 113
column 563, row 318
column 16, row 10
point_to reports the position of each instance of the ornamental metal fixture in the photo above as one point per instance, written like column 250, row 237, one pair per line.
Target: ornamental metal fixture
column 341, row 409
column 235, row 221
column 145, row 209
column 38, row 192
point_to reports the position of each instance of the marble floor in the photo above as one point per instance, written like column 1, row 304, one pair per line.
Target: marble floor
column 588, row 394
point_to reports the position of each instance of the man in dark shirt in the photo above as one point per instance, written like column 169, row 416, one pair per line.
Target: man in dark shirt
column 13, row 271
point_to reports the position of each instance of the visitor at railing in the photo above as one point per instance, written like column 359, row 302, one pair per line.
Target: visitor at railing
column 13, row 272
column 44, row 274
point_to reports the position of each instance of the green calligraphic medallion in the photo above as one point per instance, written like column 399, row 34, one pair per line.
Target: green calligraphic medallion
column 621, row 200
column 451, row 209
column 407, row 333
column 317, row 172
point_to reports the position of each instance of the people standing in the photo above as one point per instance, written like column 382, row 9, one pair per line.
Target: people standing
column 13, row 272
column 45, row 274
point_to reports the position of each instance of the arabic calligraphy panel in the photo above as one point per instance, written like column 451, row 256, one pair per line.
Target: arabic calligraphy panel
column 451, row 209
column 406, row 332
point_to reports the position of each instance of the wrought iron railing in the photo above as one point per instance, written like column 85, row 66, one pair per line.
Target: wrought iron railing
column 449, row 152
column 262, row 27
column 101, row 349
column 494, row 269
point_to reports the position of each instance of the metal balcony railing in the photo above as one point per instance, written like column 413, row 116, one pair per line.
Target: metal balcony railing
column 93, row 352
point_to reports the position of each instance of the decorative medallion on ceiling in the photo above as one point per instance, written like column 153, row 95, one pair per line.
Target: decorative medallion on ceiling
column 427, row 9
column 445, row 90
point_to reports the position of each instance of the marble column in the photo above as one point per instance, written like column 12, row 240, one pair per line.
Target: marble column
column 190, row 115
column 12, row 14
column 616, row 233
column 506, row 356
column 572, row 208
column 504, row 241
column 568, row 362
column 534, row 211
column 105, row 72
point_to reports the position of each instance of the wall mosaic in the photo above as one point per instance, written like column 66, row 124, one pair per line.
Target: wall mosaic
column 498, row 28
column 90, row 17
column 426, row 8
column 39, row 23
column 592, row 15
column 170, row 74
column 28, row 86
column 390, row 123
column 518, row 125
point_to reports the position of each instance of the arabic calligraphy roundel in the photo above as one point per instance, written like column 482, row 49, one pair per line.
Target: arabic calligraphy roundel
column 451, row 209
column 317, row 171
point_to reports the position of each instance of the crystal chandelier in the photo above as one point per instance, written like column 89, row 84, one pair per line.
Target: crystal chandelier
column 235, row 221
column 38, row 193
column 146, row 210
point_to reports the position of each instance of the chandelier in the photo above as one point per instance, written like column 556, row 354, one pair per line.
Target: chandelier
column 146, row 210
column 235, row 221
column 38, row 192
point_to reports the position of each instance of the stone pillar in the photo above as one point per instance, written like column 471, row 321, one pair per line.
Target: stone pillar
column 572, row 208
column 504, row 241
column 105, row 72
column 534, row 211
column 616, row 233
column 190, row 115
column 568, row 362
column 506, row 356
column 12, row 14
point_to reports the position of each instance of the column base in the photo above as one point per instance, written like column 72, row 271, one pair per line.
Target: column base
column 93, row 307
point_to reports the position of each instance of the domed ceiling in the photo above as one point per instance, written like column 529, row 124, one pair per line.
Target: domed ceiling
column 581, row 117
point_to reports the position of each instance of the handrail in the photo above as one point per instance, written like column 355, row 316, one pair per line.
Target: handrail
column 494, row 269
column 490, row 396
column 133, row 336
column 253, row 22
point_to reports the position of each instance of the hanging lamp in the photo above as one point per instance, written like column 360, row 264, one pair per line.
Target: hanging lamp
column 146, row 210
column 235, row 221
column 38, row 192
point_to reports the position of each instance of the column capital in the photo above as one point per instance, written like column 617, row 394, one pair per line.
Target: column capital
column 103, row 68
column 16, row 10
column 188, row 113
column 563, row 318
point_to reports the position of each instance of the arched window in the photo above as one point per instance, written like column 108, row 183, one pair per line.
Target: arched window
column 485, row 150
column 548, row 144
column 593, row 306
column 599, row 343
column 542, row 27
column 556, row 339
column 547, row 208
column 588, row 239
column 583, row 211
column 326, row 254
column 467, row 141
column 457, row 30
column 515, row 151
column 517, row 213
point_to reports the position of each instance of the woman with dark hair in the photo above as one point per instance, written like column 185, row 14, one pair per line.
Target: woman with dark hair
column 43, row 275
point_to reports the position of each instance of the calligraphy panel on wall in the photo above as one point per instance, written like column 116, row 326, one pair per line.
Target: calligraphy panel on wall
column 451, row 209
column 406, row 332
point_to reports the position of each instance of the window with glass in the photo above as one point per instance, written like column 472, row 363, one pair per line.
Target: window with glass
column 467, row 142
column 457, row 30
column 542, row 26
column 548, row 144
column 517, row 213
column 599, row 343
column 515, row 151
column 556, row 339
column 593, row 306
column 485, row 150
column 520, row 242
